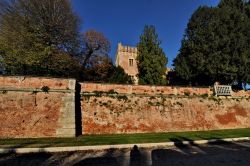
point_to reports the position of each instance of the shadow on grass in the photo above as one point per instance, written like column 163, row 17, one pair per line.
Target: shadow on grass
column 21, row 145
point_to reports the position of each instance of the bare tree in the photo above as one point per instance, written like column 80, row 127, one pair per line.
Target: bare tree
column 94, row 44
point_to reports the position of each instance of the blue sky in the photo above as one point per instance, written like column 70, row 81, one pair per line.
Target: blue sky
column 123, row 20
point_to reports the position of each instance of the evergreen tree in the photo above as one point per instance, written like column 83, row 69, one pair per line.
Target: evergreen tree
column 232, row 3
column 151, row 59
column 1, row 65
column 120, row 77
column 215, row 46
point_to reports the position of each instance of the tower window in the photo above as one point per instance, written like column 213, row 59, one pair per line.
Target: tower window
column 130, row 62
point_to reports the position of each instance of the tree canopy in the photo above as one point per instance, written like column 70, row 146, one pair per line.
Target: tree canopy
column 42, row 38
column 95, row 60
column 151, row 59
column 215, row 46
column 39, row 37
column 94, row 44
column 120, row 77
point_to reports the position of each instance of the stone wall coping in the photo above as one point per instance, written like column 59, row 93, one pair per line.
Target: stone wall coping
column 160, row 86
column 90, row 87
column 42, row 77
column 35, row 90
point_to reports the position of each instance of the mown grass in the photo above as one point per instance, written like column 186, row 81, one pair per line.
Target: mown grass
column 124, row 138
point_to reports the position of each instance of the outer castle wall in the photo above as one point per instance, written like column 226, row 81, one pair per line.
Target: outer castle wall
column 109, row 109
column 52, row 107
column 37, row 107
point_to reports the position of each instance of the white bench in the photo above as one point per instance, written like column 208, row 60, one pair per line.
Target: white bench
column 223, row 90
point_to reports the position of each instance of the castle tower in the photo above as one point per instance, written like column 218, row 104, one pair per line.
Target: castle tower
column 126, row 58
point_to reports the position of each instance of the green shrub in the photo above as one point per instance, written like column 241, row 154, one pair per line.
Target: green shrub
column 45, row 89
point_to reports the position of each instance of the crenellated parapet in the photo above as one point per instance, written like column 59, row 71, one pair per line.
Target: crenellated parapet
column 127, row 49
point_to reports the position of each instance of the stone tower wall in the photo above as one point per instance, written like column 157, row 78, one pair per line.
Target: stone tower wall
column 123, row 55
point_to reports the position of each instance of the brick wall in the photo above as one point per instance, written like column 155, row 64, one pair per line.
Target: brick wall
column 155, row 90
column 145, row 109
column 28, row 111
column 149, row 90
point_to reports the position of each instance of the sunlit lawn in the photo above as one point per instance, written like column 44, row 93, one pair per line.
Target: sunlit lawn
column 124, row 138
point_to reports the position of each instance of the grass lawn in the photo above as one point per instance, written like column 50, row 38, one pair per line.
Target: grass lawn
column 124, row 138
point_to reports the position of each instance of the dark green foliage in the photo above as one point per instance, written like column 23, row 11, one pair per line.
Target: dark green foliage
column 120, row 77
column 187, row 93
column 112, row 91
column 45, row 89
column 122, row 97
column 39, row 37
column 151, row 59
column 99, row 93
column 216, row 46
column 1, row 65
column 204, row 95
column 174, row 79
column 4, row 92
column 232, row 3
column 42, row 38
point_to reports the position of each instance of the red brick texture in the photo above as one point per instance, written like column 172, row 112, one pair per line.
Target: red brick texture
column 145, row 112
column 25, row 112
column 155, row 90
column 142, row 89
column 33, row 82
column 28, row 111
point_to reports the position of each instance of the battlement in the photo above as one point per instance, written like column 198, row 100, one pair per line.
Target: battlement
column 128, row 49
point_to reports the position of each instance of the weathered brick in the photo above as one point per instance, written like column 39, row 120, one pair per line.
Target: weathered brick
column 35, row 114
column 145, row 114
